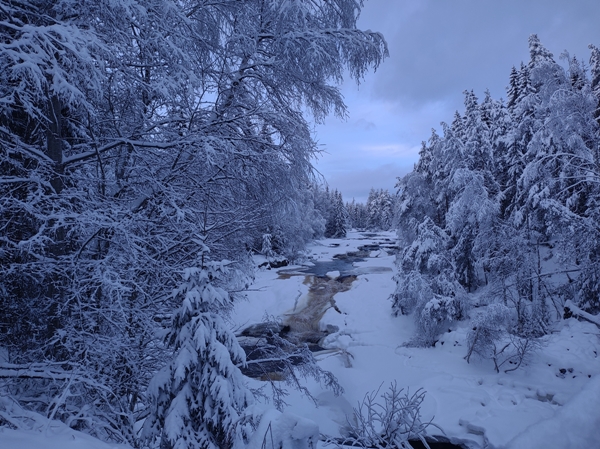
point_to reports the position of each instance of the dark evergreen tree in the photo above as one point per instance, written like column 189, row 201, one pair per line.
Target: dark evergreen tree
column 357, row 215
column 513, row 88
column 595, row 73
column 380, row 210
column 338, row 219
column 458, row 125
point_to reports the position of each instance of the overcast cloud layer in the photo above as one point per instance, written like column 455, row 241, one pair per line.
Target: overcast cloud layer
column 438, row 48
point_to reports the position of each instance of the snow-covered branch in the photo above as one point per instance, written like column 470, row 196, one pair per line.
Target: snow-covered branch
column 571, row 309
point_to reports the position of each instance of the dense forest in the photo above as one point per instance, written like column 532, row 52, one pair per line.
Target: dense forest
column 150, row 149
column 147, row 149
column 505, row 206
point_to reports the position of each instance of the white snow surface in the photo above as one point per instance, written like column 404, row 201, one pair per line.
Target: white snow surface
column 34, row 431
column 553, row 402
column 56, row 436
column 556, row 393
column 285, row 430
column 576, row 424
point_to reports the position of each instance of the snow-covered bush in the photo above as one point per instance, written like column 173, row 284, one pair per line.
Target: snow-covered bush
column 387, row 421
column 487, row 331
column 435, row 315
column 492, row 337
column 412, row 288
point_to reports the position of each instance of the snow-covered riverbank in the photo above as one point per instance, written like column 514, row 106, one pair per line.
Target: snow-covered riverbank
column 550, row 403
column 470, row 402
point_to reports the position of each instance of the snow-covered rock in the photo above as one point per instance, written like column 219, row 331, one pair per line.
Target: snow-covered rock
column 333, row 274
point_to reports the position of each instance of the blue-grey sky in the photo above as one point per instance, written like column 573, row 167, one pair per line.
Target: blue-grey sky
column 438, row 48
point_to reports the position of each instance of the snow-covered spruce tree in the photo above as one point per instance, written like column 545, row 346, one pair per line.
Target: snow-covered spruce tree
column 380, row 210
column 198, row 397
column 417, row 192
column 386, row 205
column 449, row 152
column 412, row 206
column 323, row 204
column 474, row 194
column 595, row 76
column 470, row 218
column 426, row 284
column 372, row 210
column 357, row 213
column 513, row 146
column 351, row 208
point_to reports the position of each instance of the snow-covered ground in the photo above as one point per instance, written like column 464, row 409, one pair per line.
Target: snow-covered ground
column 553, row 402
column 34, row 431
column 55, row 436
column 557, row 393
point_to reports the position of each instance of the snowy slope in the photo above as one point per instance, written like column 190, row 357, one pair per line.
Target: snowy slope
column 34, row 431
column 470, row 402
column 574, row 425
column 56, row 436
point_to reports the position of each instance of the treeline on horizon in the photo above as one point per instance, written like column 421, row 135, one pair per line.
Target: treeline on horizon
column 377, row 214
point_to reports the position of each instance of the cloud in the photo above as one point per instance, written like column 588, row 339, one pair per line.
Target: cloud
column 438, row 49
column 365, row 125
column 392, row 150
column 358, row 182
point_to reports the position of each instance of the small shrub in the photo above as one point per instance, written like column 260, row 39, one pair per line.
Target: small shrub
column 491, row 338
column 387, row 421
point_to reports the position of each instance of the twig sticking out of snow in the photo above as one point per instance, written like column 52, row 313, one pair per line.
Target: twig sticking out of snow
column 388, row 421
